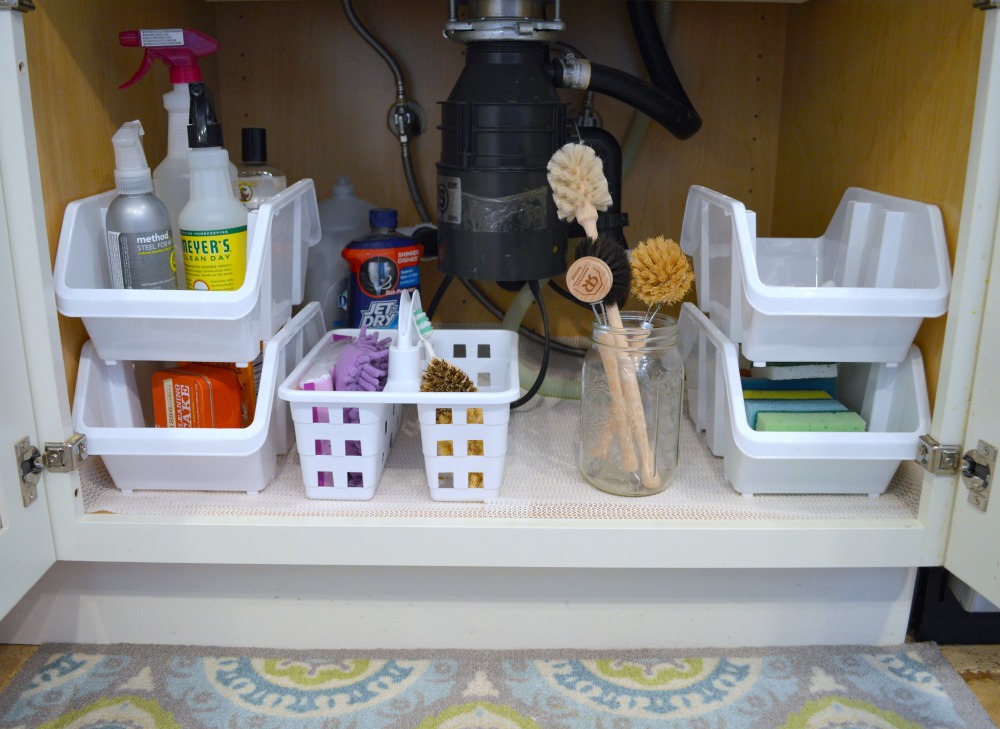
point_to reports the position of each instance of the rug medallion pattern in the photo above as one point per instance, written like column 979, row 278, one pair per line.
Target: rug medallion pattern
column 141, row 687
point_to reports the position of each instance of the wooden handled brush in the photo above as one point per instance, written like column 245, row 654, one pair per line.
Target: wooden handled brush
column 614, row 256
column 592, row 281
column 661, row 274
column 579, row 188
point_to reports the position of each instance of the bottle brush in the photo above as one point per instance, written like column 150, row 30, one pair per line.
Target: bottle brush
column 579, row 187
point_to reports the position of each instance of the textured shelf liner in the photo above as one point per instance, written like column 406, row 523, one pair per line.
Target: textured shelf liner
column 541, row 481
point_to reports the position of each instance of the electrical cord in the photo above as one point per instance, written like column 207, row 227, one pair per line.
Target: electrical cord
column 438, row 295
column 543, row 368
column 522, row 330
column 567, row 295
column 493, row 309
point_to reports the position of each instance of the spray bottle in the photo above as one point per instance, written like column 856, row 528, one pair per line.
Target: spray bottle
column 179, row 50
column 140, row 245
column 213, row 223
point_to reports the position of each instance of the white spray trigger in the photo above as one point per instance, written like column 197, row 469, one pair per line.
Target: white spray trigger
column 404, row 319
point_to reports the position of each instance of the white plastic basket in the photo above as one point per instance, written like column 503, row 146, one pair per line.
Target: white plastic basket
column 892, row 398
column 858, row 293
column 206, row 326
column 450, row 449
column 112, row 406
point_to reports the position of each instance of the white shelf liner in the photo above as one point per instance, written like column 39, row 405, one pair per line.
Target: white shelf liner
column 541, row 481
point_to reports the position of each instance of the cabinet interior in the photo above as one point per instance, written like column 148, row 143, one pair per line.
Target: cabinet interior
column 799, row 102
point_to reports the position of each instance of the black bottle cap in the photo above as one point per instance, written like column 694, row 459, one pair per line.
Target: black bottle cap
column 254, row 145
column 203, row 129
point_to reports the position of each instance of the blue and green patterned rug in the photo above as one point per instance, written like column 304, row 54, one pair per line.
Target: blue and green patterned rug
column 76, row 686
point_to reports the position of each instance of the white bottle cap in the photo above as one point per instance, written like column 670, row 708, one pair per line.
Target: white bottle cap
column 132, row 175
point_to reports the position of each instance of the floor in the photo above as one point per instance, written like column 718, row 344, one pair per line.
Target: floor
column 978, row 665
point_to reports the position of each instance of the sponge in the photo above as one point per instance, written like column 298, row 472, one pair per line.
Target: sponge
column 829, row 384
column 755, row 407
column 842, row 422
column 786, row 395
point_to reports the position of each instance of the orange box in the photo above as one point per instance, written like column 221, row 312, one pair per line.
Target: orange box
column 197, row 396
column 249, row 380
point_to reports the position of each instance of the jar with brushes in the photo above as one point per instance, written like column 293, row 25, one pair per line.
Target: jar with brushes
column 633, row 384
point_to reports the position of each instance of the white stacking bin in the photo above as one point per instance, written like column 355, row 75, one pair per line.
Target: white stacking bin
column 858, row 293
column 112, row 407
column 463, row 435
column 892, row 399
column 206, row 326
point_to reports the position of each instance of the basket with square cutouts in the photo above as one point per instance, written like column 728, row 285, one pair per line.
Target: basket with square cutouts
column 463, row 435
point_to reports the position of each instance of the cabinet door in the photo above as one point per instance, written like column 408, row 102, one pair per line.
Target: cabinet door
column 973, row 549
column 973, row 553
column 26, row 537
column 26, row 548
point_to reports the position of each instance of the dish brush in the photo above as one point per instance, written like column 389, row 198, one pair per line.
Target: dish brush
column 661, row 275
column 604, row 283
column 579, row 187
column 611, row 253
column 440, row 375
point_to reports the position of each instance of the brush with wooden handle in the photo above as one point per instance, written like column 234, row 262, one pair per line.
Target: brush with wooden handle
column 579, row 187
column 614, row 256
column 592, row 281
column 661, row 275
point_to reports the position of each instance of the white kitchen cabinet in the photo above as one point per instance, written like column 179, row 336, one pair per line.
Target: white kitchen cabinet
column 399, row 580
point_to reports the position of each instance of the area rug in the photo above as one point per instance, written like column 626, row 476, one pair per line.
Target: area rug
column 76, row 686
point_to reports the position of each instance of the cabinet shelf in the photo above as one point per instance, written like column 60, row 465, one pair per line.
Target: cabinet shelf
column 546, row 515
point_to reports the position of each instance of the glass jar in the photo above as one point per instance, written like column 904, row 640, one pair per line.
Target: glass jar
column 633, row 384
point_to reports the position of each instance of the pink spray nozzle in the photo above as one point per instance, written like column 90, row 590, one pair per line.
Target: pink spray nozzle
column 176, row 47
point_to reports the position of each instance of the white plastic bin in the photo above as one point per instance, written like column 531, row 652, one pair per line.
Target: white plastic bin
column 206, row 326
column 892, row 398
column 858, row 293
column 464, row 458
column 112, row 406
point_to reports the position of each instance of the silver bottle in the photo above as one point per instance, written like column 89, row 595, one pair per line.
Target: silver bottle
column 140, row 244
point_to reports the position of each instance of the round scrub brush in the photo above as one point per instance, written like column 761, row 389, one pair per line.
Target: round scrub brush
column 600, row 277
column 579, row 188
column 661, row 274
column 440, row 375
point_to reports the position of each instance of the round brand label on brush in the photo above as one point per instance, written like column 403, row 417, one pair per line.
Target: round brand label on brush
column 589, row 279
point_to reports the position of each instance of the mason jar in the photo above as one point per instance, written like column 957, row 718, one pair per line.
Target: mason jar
column 633, row 383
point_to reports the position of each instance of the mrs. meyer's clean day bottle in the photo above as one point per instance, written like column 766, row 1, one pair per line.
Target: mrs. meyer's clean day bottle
column 213, row 222
column 140, row 244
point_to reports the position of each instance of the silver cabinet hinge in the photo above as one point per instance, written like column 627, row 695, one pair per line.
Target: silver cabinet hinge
column 977, row 470
column 58, row 457
column 22, row 6
column 941, row 460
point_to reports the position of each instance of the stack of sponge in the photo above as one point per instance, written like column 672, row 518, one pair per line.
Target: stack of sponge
column 797, row 398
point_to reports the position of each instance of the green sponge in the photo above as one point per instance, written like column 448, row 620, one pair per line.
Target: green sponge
column 785, row 395
column 755, row 407
column 843, row 422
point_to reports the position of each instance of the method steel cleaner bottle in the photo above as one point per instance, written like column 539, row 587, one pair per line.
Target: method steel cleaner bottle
column 382, row 264
column 140, row 244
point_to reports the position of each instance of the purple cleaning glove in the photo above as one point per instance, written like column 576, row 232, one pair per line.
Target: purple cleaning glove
column 361, row 365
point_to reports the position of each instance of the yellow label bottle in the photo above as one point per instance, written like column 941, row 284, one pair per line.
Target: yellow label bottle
column 213, row 222
column 215, row 260
column 213, row 226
